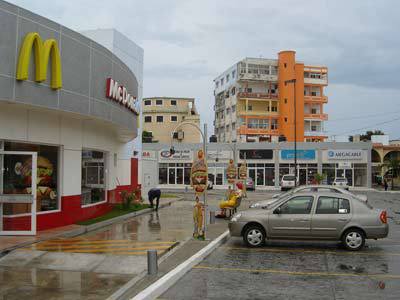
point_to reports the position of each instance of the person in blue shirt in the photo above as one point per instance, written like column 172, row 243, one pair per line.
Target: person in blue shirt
column 154, row 193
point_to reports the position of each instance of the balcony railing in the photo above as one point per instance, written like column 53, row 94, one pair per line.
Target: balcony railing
column 257, row 95
column 316, row 99
column 245, row 130
column 315, row 133
column 323, row 117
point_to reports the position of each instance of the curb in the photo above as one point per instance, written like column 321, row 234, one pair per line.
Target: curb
column 88, row 228
column 164, row 283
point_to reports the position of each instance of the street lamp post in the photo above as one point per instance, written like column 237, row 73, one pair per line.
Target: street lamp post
column 295, row 128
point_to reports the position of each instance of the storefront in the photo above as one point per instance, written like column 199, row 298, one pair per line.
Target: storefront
column 65, row 134
column 266, row 163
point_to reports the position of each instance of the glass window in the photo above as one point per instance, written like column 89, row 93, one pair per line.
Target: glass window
column 297, row 205
column 171, row 176
column 147, row 102
column 160, row 119
column 159, row 102
column 162, row 175
column 173, row 102
column 19, row 181
column 274, row 124
column 93, row 177
column 331, row 205
column 187, row 176
column 174, row 118
column 147, row 119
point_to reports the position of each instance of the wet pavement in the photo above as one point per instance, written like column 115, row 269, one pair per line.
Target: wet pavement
column 300, row 270
column 96, row 264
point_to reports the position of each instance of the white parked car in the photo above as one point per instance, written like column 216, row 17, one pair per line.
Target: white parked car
column 341, row 182
column 288, row 182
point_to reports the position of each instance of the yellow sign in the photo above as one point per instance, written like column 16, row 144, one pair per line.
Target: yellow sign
column 42, row 54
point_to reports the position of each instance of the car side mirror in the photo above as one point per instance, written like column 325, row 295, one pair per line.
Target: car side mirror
column 277, row 211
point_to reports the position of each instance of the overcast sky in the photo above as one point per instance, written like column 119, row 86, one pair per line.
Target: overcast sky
column 187, row 43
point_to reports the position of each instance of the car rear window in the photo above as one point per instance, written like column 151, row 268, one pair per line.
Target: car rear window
column 332, row 205
column 288, row 177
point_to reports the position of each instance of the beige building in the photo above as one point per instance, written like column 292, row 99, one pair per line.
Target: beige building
column 161, row 115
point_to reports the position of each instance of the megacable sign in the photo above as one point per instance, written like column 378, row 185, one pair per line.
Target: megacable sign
column 120, row 94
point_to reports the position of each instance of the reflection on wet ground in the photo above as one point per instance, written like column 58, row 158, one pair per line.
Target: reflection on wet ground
column 94, row 265
column 301, row 270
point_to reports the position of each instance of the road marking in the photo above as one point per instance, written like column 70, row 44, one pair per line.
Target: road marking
column 310, row 251
column 275, row 271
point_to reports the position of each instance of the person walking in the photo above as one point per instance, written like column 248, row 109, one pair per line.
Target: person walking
column 385, row 184
column 154, row 193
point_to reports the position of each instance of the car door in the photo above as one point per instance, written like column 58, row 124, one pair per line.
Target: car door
column 292, row 219
column 332, row 213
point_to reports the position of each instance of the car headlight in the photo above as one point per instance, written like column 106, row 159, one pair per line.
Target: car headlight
column 236, row 217
column 255, row 205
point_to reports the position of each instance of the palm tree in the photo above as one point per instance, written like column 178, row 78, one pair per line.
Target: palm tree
column 393, row 164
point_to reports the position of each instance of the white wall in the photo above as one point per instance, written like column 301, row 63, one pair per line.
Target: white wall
column 72, row 133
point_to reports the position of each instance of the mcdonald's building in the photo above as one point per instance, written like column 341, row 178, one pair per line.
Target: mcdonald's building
column 69, row 115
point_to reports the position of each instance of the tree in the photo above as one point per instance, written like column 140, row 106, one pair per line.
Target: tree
column 319, row 178
column 367, row 135
column 393, row 165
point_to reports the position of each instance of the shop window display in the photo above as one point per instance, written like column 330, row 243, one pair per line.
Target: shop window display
column 17, row 177
column 93, row 177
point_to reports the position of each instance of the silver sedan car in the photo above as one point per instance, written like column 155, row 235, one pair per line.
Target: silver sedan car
column 308, row 188
column 312, row 216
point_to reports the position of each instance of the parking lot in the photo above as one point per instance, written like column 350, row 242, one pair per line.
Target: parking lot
column 300, row 270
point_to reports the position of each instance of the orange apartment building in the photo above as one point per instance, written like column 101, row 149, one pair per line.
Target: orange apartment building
column 258, row 100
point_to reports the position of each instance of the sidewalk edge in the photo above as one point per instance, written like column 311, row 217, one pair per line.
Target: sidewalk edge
column 164, row 283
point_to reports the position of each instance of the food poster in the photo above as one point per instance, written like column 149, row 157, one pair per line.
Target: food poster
column 18, row 180
column 199, row 173
column 231, row 172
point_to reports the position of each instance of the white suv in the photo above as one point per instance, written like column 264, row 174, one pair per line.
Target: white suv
column 288, row 181
column 341, row 182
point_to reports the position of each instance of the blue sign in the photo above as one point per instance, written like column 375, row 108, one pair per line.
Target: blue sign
column 301, row 154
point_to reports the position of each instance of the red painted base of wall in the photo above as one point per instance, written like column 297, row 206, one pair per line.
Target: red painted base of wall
column 71, row 209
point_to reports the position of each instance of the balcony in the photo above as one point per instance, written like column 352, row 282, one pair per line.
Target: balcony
column 315, row 99
column 322, row 117
column 315, row 133
column 261, row 131
column 257, row 95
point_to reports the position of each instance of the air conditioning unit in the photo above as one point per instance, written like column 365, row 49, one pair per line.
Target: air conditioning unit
column 179, row 135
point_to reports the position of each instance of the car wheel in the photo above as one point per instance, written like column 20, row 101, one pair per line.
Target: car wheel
column 254, row 236
column 353, row 239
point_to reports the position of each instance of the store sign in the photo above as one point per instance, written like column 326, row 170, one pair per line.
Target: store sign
column 165, row 155
column 301, row 154
column 148, row 154
column 344, row 165
column 42, row 51
column 345, row 154
column 256, row 154
column 119, row 93
column 221, row 155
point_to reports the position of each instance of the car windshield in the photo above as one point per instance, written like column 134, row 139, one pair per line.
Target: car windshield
column 288, row 177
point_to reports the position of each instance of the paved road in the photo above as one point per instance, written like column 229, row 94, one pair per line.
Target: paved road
column 300, row 270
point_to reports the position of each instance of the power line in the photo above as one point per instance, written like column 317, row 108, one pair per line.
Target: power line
column 367, row 127
column 363, row 116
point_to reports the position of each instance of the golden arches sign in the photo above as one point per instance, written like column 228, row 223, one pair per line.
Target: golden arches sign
column 42, row 54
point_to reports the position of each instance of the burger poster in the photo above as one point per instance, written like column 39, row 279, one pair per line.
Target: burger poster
column 199, row 173
column 231, row 172
column 46, row 183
